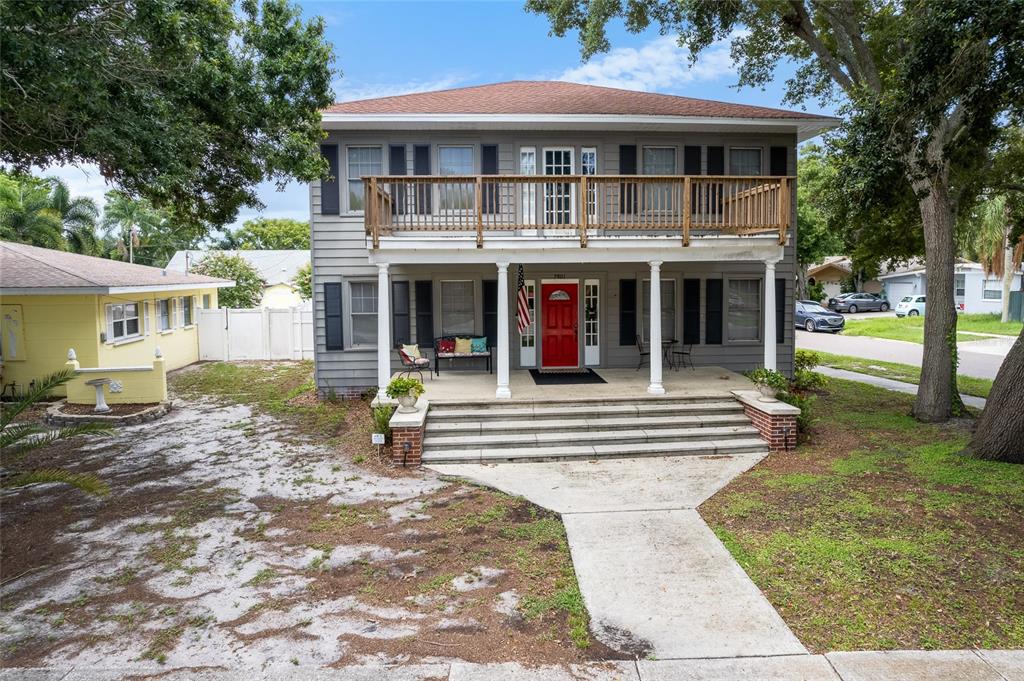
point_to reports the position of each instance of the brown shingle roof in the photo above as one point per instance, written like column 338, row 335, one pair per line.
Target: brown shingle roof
column 28, row 267
column 556, row 97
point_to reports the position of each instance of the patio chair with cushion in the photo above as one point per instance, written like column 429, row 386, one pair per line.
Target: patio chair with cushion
column 413, row 361
column 645, row 355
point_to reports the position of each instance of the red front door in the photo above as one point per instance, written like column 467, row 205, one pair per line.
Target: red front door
column 560, row 311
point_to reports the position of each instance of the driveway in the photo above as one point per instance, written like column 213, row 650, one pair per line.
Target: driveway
column 656, row 580
column 981, row 358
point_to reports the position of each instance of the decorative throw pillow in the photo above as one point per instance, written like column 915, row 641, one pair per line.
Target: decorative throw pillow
column 463, row 346
column 412, row 350
column 447, row 345
column 480, row 344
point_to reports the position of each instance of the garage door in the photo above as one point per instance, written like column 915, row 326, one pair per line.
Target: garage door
column 896, row 291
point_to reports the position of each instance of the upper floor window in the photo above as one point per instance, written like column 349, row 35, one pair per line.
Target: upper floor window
column 362, row 161
column 456, row 161
column 659, row 161
column 744, row 161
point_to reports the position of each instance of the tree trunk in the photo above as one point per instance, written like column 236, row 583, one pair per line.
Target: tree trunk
column 801, row 281
column 1007, row 281
column 937, row 396
column 1000, row 432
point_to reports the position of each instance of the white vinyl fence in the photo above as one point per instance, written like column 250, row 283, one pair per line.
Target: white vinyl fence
column 229, row 334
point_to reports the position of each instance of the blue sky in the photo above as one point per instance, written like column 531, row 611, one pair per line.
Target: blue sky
column 387, row 48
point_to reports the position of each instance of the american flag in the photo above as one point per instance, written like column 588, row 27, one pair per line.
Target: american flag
column 523, row 303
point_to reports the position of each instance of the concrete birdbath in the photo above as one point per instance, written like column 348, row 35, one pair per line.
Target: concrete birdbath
column 101, row 402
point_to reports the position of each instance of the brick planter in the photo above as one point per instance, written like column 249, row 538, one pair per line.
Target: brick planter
column 775, row 421
column 407, row 435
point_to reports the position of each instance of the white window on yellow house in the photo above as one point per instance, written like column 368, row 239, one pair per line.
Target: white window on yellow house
column 123, row 321
column 206, row 301
column 185, row 305
column 165, row 314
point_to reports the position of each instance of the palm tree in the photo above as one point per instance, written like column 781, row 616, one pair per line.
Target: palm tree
column 18, row 439
column 128, row 221
column 27, row 215
column 998, row 257
column 78, row 216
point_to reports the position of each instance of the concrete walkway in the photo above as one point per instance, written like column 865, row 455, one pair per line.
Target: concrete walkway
column 900, row 665
column 655, row 579
column 981, row 358
column 890, row 384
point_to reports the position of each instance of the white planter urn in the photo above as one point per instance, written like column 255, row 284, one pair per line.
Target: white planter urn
column 767, row 393
column 407, row 404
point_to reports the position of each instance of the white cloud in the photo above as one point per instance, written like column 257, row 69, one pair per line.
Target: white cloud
column 350, row 91
column 84, row 180
column 659, row 65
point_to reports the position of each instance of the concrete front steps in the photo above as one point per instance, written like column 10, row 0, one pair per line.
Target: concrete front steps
column 497, row 432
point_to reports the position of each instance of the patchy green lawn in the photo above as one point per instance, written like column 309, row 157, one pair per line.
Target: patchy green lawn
column 912, row 328
column 878, row 534
column 908, row 373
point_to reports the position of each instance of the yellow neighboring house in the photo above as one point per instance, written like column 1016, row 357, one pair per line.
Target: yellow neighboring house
column 113, row 314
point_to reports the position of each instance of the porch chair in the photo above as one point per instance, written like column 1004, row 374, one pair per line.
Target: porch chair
column 685, row 355
column 411, row 364
column 645, row 355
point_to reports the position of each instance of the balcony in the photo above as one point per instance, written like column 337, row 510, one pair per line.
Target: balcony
column 580, row 206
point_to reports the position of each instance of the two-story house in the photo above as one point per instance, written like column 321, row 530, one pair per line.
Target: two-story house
column 640, row 221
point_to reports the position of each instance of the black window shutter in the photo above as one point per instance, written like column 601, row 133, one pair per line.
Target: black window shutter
column 396, row 166
column 691, row 160
column 421, row 166
column 400, row 333
column 778, row 161
column 627, row 166
column 716, row 160
column 489, row 166
column 691, row 311
column 780, row 310
column 627, row 311
column 332, row 316
column 713, row 334
column 425, row 313
column 330, row 188
column 491, row 311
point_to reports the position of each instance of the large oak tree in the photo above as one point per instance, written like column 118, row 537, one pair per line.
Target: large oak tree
column 188, row 103
column 924, row 84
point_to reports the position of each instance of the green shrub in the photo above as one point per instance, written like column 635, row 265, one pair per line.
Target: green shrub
column 816, row 291
column 804, row 404
column 806, row 360
column 808, row 380
column 382, row 419
column 769, row 377
column 404, row 386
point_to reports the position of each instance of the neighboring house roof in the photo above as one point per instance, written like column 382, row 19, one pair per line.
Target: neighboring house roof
column 839, row 262
column 917, row 267
column 275, row 267
column 28, row 270
column 554, row 101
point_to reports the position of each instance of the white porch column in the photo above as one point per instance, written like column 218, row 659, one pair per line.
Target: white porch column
column 768, row 306
column 383, row 331
column 654, row 337
column 503, row 391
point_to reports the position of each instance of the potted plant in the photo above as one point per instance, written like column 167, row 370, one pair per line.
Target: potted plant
column 406, row 391
column 768, row 382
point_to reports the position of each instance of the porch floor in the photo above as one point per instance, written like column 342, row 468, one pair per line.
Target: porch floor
column 460, row 386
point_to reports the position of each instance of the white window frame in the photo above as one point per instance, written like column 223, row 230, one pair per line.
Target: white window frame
column 760, row 153
column 168, row 303
column 665, row 192
column 445, row 331
column 352, row 314
column 986, row 290
column 528, row 338
column 592, row 187
column 111, row 311
column 439, row 190
column 348, row 174
column 528, row 192
column 592, row 327
column 207, row 300
column 572, row 187
column 187, row 302
column 729, row 307
column 959, row 285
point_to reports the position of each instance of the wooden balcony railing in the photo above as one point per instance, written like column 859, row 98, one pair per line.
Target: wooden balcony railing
column 579, row 205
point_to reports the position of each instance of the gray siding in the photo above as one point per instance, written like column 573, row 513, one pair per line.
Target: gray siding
column 340, row 254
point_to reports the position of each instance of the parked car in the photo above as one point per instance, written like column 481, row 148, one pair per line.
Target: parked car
column 859, row 302
column 813, row 317
column 910, row 306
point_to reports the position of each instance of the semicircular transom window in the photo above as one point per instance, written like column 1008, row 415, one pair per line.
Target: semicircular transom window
column 559, row 294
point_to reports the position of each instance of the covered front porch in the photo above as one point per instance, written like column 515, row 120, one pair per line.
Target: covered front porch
column 471, row 386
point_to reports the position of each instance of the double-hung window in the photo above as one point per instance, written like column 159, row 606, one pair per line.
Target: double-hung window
column 362, row 161
column 364, row 312
column 588, row 166
column 961, row 285
column 165, row 314
column 993, row 289
column 668, row 309
column 744, row 161
column 123, row 321
column 744, row 314
column 659, row 161
column 457, row 308
column 528, row 198
column 456, row 161
column 186, row 310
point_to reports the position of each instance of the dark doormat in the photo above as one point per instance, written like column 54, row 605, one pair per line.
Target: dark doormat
column 565, row 377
